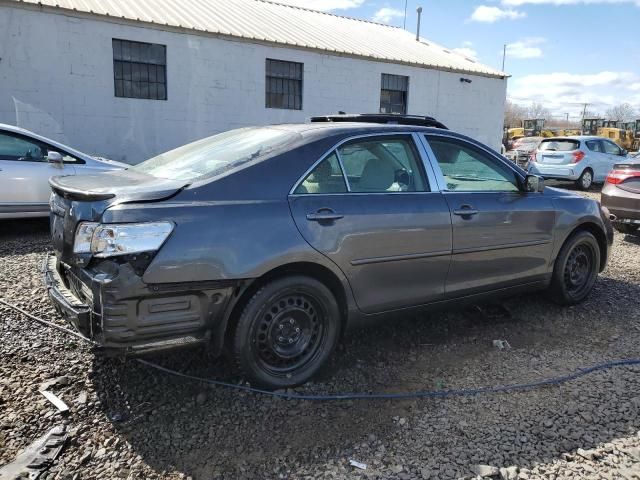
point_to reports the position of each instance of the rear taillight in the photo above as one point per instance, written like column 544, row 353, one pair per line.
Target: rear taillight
column 577, row 156
column 618, row 176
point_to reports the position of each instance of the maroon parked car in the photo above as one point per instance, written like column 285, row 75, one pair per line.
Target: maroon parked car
column 621, row 195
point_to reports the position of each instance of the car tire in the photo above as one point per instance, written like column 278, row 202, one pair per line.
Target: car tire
column 585, row 180
column 626, row 228
column 576, row 269
column 286, row 332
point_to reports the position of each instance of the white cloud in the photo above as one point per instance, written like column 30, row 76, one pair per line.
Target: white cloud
column 386, row 15
column 467, row 50
column 324, row 5
column 527, row 48
column 518, row 3
column 567, row 92
column 487, row 14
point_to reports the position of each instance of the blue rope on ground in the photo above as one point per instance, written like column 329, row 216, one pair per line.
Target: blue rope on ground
column 581, row 372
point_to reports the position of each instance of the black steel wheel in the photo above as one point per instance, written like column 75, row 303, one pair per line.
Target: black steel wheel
column 286, row 332
column 576, row 269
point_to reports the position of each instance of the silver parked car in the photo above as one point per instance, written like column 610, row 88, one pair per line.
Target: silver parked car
column 522, row 150
column 28, row 160
column 583, row 159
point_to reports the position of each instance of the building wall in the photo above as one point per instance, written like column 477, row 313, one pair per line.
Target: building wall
column 56, row 78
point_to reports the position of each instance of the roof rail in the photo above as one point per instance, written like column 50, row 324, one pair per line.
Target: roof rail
column 392, row 118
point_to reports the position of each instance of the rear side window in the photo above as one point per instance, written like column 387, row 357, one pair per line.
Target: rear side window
column 559, row 145
column 594, row 145
column 22, row 149
column 611, row 148
column 325, row 178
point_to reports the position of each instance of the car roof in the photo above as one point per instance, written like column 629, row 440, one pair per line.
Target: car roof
column 332, row 128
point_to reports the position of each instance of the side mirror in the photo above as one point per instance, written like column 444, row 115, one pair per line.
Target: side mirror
column 534, row 183
column 623, row 152
column 55, row 157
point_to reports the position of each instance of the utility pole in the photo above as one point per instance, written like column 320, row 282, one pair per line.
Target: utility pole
column 584, row 110
column 567, row 119
column 404, row 23
column 504, row 55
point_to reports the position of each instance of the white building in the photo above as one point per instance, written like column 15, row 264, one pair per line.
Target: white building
column 129, row 79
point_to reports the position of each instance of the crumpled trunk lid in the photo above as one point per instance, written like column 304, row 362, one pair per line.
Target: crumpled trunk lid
column 85, row 198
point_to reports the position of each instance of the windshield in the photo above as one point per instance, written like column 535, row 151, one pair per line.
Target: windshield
column 564, row 145
column 215, row 155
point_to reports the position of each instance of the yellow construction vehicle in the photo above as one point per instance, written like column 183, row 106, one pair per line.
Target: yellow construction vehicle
column 618, row 135
column 533, row 127
column 590, row 125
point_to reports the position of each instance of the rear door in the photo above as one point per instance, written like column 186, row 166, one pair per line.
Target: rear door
column 612, row 155
column 502, row 236
column 25, row 173
column 370, row 206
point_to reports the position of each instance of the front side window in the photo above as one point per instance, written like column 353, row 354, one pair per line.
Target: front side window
column 283, row 84
column 18, row 148
column 468, row 169
column 139, row 70
column 327, row 177
column 393, row 94
column 388, row 164
column 611, row 148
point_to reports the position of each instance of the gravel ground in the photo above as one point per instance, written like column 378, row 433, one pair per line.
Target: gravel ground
column 129, row 421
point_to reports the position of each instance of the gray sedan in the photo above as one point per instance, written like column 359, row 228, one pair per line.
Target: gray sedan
column 270, row 242
column 28, row 160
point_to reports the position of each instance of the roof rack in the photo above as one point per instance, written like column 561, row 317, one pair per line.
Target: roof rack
column 381, row 118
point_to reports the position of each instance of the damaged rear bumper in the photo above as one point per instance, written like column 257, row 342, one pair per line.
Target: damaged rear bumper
column 123, row 315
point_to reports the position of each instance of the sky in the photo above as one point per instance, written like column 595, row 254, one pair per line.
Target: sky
column 561, row 53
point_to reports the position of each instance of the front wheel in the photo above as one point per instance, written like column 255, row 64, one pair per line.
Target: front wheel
column 286, row 332
column 586, row 180
column 576, row 269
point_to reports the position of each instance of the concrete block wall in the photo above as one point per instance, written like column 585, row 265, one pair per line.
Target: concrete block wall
column 56, row 78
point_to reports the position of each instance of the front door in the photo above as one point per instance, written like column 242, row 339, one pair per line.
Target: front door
column 25, row 173
column 379, row 221
column 502, row 236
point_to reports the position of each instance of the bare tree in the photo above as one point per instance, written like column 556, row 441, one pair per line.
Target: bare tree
column 537, row 110
column 622, row 113
column 514, row 114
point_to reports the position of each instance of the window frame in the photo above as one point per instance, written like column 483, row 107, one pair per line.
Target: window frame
column 147, row 63
column 406, row 93
column 442, row 184
column 423, row 161
column 268, row 77
column 604, row 148
column 48, row 146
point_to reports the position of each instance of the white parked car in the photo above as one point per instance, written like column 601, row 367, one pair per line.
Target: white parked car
column 582, row 159
column 28, row 160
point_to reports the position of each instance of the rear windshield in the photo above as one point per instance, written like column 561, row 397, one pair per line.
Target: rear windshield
column 564, row 145
column 213, row 156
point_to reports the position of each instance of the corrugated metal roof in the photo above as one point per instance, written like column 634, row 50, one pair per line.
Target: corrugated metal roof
column 270, row 22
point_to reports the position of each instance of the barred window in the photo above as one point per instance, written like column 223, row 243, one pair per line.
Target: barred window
column 139, row 70
column 393, row 94
column 283, row 84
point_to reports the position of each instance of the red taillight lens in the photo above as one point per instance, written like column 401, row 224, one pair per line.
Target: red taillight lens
column 618, row 176
column 577, row 156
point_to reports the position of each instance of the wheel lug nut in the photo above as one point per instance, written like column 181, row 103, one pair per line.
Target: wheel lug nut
column 291, row 321
column 281, row 339
column 297, row 330
column 291, row 340
column 280, row 326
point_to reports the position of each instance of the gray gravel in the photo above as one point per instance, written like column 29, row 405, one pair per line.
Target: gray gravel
column 127, row 421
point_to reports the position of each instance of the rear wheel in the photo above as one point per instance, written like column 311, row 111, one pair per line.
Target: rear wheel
column 586, row 180
column 286, row 332
column 576, row 269
column 626, row 228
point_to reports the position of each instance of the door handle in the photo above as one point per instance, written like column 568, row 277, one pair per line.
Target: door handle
column 325, row 215
column 465, row 210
